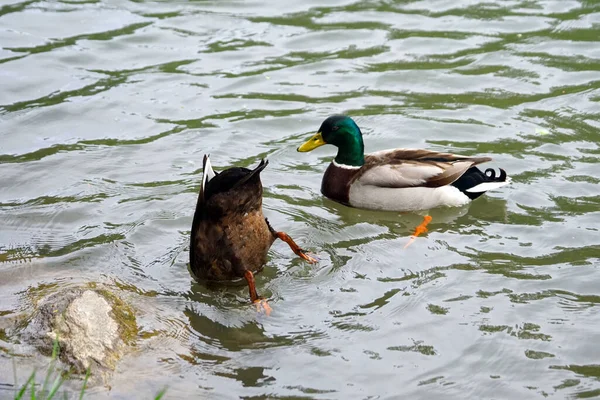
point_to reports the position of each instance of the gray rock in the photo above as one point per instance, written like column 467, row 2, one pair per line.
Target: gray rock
column 93, row 328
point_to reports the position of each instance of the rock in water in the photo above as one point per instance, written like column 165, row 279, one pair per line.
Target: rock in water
column 87, row 332
column 93, row 328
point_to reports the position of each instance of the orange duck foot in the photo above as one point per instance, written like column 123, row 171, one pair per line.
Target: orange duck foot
column 422, row 228
column 295, row 248
column 261, row 304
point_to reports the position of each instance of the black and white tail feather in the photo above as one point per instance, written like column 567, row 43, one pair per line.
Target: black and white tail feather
column 474, row 183
column 207, row 172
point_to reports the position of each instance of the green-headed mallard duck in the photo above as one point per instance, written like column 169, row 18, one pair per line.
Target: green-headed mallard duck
column 230, row 236
column 397, row 179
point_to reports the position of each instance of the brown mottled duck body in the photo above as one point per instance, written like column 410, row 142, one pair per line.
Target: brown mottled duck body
column 230, row 236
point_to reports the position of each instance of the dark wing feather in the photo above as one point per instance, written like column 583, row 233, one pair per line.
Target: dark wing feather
column 400, row 168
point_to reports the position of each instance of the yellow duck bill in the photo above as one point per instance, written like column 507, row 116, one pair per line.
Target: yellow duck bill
column 312, row 143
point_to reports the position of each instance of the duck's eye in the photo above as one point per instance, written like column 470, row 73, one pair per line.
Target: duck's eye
column 335, row 128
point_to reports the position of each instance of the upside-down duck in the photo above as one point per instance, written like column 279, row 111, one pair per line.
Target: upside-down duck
column 230, row 236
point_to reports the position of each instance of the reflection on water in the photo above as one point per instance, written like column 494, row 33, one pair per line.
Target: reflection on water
column 106, row 109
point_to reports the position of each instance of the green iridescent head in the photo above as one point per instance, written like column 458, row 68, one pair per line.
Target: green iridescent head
column 342, row 132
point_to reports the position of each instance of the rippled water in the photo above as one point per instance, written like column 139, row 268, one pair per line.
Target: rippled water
column 106, row 109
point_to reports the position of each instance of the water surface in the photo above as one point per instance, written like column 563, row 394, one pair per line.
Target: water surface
column 107, row 107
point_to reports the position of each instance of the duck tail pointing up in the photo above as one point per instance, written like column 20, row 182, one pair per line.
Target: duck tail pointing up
column 491, row 181
column 208, row 172
column 255, row 172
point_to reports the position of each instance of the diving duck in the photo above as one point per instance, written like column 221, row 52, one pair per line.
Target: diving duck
column 397, row 179
column 230, row 236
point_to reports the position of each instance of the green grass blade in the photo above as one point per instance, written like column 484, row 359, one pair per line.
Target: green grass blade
column 33, row 389
column 160, row 394
column 55, row 349
column 21, row 393
column 57, row 382
column 87, row 375
column 47, row 378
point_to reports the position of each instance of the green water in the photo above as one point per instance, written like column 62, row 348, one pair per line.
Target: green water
column 107, row 107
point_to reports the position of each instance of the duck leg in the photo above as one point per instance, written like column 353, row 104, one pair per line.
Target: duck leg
column 254, row 296
column 251, row 285
column 295, row 248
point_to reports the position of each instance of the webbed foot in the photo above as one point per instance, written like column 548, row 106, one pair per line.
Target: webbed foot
column 296, row 249
column 422, row 228
column 261, row 304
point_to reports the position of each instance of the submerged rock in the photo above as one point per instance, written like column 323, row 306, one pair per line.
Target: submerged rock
column 93, row 328
column 87, row 333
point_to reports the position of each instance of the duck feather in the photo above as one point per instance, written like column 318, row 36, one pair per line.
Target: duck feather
column 403, row 168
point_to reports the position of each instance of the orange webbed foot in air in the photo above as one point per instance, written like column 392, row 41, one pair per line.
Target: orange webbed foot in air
column 296, row 249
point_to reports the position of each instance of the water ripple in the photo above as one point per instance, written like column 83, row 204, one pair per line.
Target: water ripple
column 108, row 107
